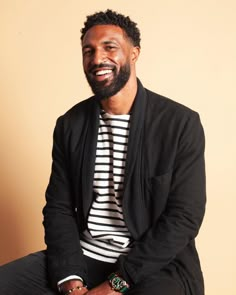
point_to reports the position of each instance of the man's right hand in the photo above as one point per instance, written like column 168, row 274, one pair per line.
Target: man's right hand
column 68, row 285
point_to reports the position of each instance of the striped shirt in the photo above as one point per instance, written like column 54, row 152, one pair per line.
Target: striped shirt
column 107, row 236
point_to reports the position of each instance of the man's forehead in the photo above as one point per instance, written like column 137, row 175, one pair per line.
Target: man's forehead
column 103, row 33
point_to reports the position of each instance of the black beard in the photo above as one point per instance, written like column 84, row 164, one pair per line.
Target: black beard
column 119, row 81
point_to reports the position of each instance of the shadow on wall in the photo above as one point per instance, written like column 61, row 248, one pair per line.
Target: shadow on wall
column 11, row 226
column 21, row 230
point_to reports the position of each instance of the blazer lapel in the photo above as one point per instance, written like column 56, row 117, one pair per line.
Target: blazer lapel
column 89, row 155
column 136, row 130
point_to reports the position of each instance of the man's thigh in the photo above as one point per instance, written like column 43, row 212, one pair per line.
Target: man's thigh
column 26, row 276
column 160, row 286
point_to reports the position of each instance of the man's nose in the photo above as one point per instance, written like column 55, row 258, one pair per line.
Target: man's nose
column 99, row 57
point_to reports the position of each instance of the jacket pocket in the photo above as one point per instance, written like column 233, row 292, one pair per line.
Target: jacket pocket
column 158, row 188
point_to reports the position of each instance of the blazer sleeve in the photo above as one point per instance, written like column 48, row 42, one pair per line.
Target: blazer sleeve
column 180, row 221
column 64, row 252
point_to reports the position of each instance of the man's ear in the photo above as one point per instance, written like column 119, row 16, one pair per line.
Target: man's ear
column 135, row 54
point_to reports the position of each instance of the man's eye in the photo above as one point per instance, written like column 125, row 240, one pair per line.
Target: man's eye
column 87, row 52
column 110, row 48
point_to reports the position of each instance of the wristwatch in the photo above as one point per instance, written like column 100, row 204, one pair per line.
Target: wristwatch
column 117, row 283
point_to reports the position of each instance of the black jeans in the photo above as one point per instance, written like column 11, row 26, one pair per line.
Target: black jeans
column 28, row 276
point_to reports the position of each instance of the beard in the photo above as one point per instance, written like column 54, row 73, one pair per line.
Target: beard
column 103, row 91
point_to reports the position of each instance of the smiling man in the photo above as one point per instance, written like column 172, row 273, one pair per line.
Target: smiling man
column 126, row 196
column 107, row 59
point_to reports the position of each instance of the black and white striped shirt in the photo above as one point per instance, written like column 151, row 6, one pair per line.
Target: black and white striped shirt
column 107, row 236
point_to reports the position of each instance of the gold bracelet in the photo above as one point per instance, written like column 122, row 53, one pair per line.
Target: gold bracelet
column 73, row 289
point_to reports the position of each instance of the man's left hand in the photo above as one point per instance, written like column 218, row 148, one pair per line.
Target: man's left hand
column 102, row 289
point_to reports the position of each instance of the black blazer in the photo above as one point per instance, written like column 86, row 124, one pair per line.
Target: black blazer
column 164, row 190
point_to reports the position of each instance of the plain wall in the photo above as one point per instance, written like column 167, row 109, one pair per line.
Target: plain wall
column 188, row 54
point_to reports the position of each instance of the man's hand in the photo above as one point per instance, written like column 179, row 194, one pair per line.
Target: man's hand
column 68, row 285
column 102, row 289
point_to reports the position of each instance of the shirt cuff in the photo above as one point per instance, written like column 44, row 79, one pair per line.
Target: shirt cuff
column 72, row 277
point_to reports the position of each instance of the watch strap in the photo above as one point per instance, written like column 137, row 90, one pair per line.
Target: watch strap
column 124, row 288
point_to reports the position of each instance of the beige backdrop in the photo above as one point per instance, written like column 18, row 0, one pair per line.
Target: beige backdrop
column 188, row 54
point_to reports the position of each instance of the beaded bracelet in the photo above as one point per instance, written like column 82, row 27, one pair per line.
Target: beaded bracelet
column 73, row 289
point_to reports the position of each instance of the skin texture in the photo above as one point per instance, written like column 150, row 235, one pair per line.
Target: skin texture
column 108, row 45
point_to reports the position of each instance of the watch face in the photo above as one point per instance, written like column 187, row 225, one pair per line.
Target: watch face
column 117, row 283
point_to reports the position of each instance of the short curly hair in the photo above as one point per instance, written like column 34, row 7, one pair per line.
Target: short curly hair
column 110, row 17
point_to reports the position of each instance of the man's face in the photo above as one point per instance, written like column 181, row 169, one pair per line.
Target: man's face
column 106, row 59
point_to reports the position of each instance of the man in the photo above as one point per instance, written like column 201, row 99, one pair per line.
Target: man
column 126, row 196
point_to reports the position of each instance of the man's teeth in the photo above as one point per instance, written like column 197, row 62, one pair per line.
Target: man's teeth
column 103, row 72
